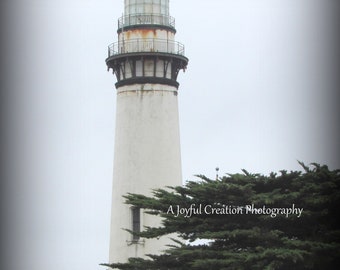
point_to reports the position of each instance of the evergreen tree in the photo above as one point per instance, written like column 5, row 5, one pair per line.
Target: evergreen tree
column 258, row 231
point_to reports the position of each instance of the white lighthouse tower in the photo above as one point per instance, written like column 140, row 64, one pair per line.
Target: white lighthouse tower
column 146, row 60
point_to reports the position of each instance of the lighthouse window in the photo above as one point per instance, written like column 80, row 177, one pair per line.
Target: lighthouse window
column 164, row 6
column 135, row 222
column 139, row 8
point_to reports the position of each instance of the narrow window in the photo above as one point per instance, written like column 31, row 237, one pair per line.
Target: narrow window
column 135, row 223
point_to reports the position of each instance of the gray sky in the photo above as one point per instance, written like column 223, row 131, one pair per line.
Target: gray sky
column 258, row 94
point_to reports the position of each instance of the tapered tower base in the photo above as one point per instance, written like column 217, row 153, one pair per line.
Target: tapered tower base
column 147, row 156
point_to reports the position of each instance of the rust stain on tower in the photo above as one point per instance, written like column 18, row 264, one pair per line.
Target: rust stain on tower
column 141, row 33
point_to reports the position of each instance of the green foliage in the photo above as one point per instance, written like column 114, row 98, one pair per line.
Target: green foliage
column 248, row 241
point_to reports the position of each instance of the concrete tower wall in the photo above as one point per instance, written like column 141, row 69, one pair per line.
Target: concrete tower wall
column 147, row 156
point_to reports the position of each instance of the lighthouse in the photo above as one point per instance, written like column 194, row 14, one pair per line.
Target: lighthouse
column 146, row 61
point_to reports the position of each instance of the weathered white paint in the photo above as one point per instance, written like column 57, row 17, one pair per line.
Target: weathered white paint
column 146, row 156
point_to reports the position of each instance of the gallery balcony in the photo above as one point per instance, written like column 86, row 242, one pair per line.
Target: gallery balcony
column 128, row 21
column 147, row 45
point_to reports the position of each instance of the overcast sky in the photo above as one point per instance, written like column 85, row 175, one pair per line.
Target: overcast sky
column 259, row 93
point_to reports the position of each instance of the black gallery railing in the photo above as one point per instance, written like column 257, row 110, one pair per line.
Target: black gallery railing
column 136, row 19
column 146, row 45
